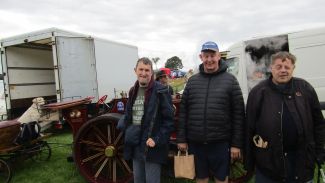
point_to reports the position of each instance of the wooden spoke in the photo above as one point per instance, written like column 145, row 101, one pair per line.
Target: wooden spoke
column 110, row 171
column 125, row 165
column 99, row 160
column 97, row 149
column 114, row 170
column 90, row 143
column 93, row 157
column 118, row 138
column 98, row 131
column 109, row 135
column 100, row 139
column 101, row 168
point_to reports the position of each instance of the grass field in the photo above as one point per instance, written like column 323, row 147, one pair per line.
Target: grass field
column 58, row 169
column 177, row 84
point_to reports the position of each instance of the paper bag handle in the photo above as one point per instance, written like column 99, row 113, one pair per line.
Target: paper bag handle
column 179, row 153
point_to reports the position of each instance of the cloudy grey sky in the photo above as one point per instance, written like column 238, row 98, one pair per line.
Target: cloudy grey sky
column 164, row 28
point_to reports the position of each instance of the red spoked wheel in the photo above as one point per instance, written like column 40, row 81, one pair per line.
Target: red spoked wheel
column 101, row 100
column 238, row 174
column 98, row 151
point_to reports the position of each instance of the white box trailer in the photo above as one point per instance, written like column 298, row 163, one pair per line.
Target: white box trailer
column 58, row 64
column 249, row 60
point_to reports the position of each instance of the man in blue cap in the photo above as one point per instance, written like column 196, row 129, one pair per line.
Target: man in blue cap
column 211, row 117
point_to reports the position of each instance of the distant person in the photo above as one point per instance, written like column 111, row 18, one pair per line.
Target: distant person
column 149, row 148
column 211, row 118
column 188, row 75
column 162, row 77
column 285, row 126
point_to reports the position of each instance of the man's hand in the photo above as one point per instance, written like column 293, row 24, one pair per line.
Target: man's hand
column 150, row 142
column 182, row 146
column 235, row 153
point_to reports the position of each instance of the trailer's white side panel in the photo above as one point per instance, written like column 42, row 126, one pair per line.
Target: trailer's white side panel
column 26, row 57
column 3, row 108
column 115, row 67
column 308, row 47
column 21, row 91
column 76, row 67
column 21, row 76
column 28, row 72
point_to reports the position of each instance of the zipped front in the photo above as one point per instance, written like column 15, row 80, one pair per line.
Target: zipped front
column 205, row 111
column 283, row 155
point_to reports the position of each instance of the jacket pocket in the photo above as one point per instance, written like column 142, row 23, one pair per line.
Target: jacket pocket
column 264, row 158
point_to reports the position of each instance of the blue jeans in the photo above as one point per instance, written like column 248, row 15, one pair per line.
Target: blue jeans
column 146, row 172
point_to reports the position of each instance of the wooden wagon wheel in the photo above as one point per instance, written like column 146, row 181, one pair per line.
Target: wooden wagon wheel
column 237, row 173
column 41, row 152
column 98, row 151
column 5, row 171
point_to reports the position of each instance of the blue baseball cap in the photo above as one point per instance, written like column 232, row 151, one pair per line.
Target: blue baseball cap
column 210, row 46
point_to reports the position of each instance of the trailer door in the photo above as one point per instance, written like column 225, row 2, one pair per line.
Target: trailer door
column 76, row 67
column 3, row 107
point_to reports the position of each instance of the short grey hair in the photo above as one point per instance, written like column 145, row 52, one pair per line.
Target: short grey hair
column 283, row 55
column 145, row 61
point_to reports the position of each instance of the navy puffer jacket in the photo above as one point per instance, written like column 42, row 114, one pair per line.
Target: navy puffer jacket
column 162, row 126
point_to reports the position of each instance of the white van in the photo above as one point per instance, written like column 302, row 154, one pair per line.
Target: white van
column 57, row 64
column 249, row 60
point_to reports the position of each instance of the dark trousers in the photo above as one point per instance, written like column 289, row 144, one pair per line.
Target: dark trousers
column 290, row 159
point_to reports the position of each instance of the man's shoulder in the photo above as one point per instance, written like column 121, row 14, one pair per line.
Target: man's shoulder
column 159, row 88
column 260, row 86
column 196, row 77
column 228, row 75
column 302, row 83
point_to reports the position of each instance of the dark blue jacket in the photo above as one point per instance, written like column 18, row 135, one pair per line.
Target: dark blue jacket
column 162, row 126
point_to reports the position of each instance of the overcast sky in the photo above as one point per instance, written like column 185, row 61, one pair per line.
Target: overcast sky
column 164, row 28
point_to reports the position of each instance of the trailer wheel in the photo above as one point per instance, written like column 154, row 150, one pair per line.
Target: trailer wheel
column 41, row 152
column 5, row 171
column 98, row 151
column 237, row 173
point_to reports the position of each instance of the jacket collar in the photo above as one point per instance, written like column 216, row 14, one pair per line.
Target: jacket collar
column 222, row 68
column 286, row 88
column 147, row 94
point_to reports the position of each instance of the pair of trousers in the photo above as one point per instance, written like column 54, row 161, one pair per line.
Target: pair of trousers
column 260, row 178
column 146, row 172
column 290, row 159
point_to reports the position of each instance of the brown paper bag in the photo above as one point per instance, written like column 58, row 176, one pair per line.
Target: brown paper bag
column 184, row 166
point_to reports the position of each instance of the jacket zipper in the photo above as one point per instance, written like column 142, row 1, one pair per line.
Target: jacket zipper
column 205, row 112
column 283, row 155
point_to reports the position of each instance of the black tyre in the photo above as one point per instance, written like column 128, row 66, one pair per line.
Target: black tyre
column 5, row 171
column 41, row 152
